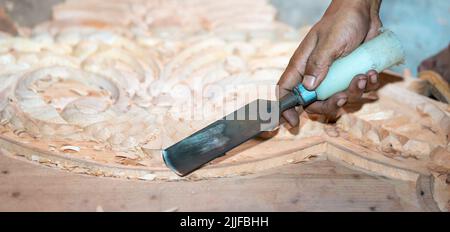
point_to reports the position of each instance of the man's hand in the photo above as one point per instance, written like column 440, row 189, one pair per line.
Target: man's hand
column 345, row 25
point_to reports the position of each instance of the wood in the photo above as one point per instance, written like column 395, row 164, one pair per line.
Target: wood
column 103, row 97
column 314, row 186
column 438, row 87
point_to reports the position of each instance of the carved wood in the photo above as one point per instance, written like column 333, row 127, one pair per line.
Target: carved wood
column 102, row 96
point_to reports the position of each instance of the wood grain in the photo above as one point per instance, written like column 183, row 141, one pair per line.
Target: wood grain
column 100, row 78
column 317, row 186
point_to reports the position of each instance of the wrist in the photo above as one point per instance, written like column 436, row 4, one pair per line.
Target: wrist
column 369, row 7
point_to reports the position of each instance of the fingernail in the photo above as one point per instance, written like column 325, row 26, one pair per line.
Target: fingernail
column 362, row 84
column 373, row 79
column 341, row 102
column 309, row 81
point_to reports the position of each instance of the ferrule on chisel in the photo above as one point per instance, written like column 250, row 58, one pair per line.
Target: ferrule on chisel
column 306, row 97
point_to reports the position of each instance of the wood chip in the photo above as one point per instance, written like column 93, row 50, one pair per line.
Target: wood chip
column 80, row 92
column 35, row 158
column 70, row 149
column 147, row 177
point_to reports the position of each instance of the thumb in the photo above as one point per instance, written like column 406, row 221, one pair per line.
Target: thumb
column 318, row 65
column 374, row 30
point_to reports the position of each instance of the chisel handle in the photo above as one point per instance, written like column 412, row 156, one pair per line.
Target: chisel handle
column 378, row 54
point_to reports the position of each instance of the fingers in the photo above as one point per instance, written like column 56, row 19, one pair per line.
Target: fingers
column 292, row 117
column 375, row 23
column 318, row 63
column 330, row 107
column 374, row 30
column 359, row 85
column 357, row 88
column 293, row 74
column 374, row 82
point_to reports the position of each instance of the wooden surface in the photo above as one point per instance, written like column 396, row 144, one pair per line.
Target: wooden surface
column 317, row 186
column 397, row 135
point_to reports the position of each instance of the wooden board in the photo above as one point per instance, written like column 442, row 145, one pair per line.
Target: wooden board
column 317, row 186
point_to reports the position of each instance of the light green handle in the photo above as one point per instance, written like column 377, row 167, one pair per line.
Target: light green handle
column 378, row 54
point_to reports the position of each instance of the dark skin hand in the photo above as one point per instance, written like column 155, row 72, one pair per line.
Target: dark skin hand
column 345, row 25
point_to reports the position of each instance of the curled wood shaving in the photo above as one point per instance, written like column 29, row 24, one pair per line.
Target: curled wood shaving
column 19, row 132
column 69, row 148
column 4, row 122
column 80, row 92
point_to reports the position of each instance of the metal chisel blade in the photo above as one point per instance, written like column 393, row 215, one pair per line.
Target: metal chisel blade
column 221, row 136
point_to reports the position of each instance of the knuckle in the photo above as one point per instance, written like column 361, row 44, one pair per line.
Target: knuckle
column 318, row 63
column 327, row 109
column 312, row 109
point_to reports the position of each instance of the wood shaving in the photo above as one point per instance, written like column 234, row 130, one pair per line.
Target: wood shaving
column 147, row 177
column 70, row 149
column 35, row 158
column 80, row 92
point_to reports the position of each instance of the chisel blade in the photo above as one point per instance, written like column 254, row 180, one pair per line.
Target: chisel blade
column 221, row 136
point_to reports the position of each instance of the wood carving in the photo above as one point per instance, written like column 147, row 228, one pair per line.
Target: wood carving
column 104, row 86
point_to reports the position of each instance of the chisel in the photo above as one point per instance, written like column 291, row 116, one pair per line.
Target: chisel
column 215, row 140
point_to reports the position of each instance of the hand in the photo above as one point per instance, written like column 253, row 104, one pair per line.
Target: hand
column 345, row 25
